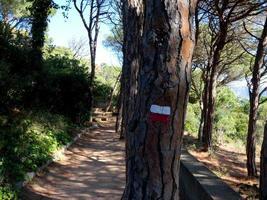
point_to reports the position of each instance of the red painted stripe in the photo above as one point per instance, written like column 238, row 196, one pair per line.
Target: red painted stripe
column 155, row 117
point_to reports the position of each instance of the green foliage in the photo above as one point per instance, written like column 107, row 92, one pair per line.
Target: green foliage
column 40, row 11
column 115, row 41
column 107, row 74
column 6, row 193
column 13, row 9
column 230, row 118
column 106, row 78
column 192, row 118
column 34, row 136
column 101, row 92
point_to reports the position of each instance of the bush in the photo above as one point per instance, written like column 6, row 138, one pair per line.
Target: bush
column 192, row 118
column 34, row 138
column 63, row 87
column 6, row 193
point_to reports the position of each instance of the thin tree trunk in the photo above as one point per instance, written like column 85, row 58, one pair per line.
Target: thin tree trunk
column 254, row 103
column 201, row 121
column 113, row 93
column 156, row 124
column 119, row 120
column 251, row 143
column 263, row 166
column 119, row 113
column 91, row 86
column 210, row 112
column 205, row 106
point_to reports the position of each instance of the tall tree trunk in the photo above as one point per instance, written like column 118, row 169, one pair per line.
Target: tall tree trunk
column 92, row 45
column 263, row 167
column 201, row 121
column 40, row 11
column 251, row 143
column 208, row 127
column 119, row 118
column 120, row 108
column 132, row 27
column 156, row 124
column 205, row 99
column 254, row 102
column 91, row 85
column 210, row 87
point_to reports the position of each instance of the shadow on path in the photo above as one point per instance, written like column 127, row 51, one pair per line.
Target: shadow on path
column 92, row 169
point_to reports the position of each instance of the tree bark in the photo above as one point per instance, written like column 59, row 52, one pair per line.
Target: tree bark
column 153, row 138
column 254, row 102
column 210, row 87
column 120, row 109
column 201, row 121
column 132, row 28
column 251, row 143
column 210, row 112
column 263, row 166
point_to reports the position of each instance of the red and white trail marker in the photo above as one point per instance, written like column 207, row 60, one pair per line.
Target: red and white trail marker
column 159, row 113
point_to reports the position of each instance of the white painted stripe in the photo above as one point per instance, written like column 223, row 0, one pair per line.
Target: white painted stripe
column 164, row 110
column 155, row 109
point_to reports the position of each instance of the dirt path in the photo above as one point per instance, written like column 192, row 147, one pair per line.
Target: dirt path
column 92, row 169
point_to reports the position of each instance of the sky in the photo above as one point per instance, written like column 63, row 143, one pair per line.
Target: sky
column 63, row 30
column 239, row 88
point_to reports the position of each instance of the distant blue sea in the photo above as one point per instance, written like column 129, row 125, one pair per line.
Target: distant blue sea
column 240, row 91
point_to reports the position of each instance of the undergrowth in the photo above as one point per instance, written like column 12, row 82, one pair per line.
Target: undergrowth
column 28, row 140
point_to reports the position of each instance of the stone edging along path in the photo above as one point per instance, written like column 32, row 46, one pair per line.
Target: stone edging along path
column 55, row 157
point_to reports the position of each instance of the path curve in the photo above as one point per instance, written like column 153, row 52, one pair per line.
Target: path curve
column 92, row 169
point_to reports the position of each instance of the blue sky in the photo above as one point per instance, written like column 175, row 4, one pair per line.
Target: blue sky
column 63, row 30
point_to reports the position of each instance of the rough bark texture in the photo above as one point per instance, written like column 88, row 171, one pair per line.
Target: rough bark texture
column 158, row 57
column 133, row 27
column 254, row 98
column 263, row 168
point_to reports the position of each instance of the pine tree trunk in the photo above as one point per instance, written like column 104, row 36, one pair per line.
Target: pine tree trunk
column 119, row 115
column 201, row 122
column 208, row 125
column 251, row 143
column 158, row 103
column 210, row 88
column 254, row 103
column 263, row 166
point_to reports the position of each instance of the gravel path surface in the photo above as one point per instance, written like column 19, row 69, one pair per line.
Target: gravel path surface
column 93, row 169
